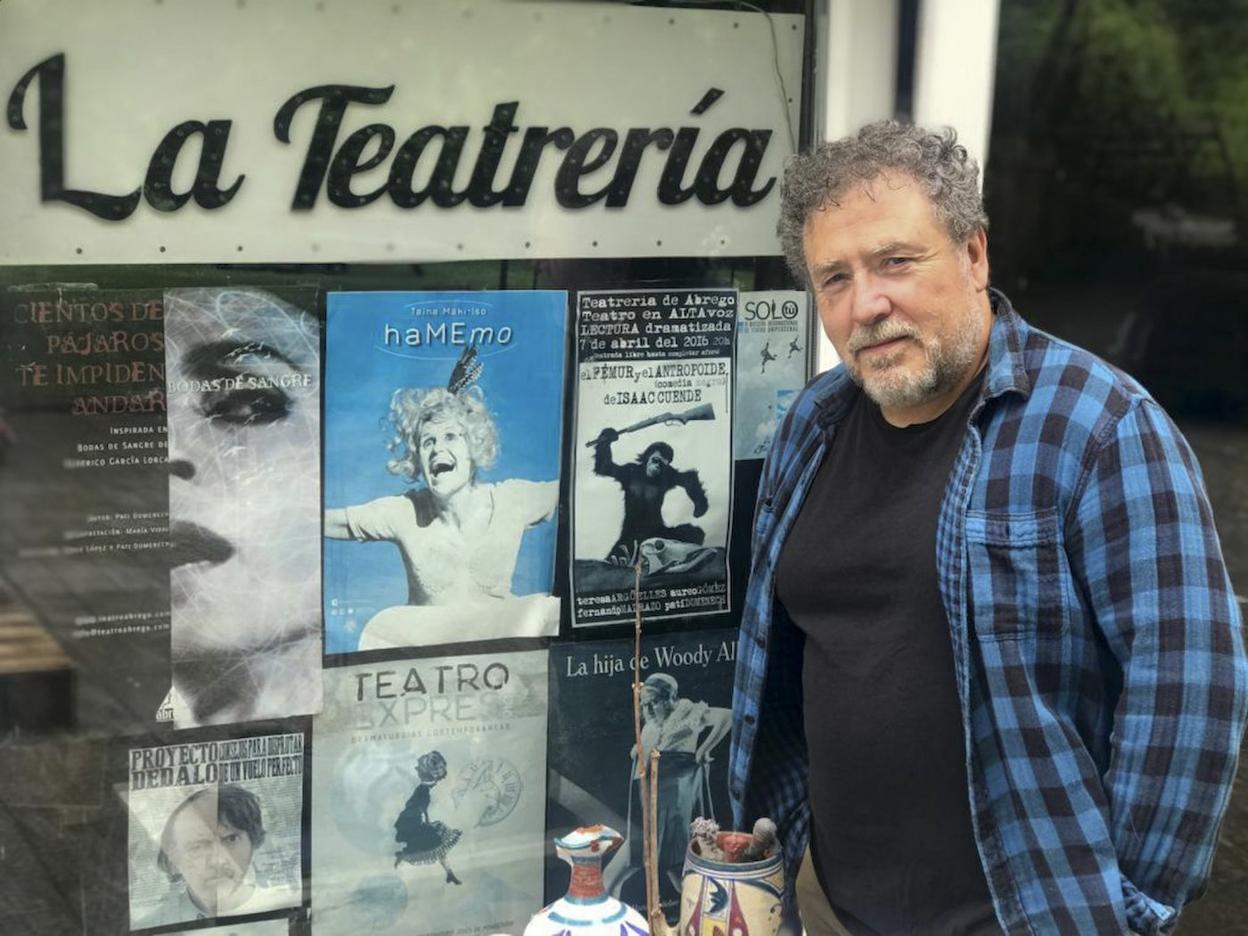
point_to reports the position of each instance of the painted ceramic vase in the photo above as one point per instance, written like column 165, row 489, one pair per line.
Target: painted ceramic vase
column 587, row 909
column 718, row 898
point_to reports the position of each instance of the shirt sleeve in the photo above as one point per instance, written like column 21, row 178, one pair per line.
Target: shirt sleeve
column 377, row 519
column 1146, row 556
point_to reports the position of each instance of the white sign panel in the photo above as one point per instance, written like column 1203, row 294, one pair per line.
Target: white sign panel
column 293, row 130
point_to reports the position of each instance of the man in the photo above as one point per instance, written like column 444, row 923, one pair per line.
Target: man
column 206, row 852
column 986, row 559
column 646, row 483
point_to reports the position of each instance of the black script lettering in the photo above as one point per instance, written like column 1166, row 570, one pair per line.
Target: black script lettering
column 441, row 181
column 535, row 140
column 635, row 144
column 481, row 189
column 158, row 187
column 578, row 163
column 334, row 100
column 51, row 74
column 706, row 184
column 347, row 163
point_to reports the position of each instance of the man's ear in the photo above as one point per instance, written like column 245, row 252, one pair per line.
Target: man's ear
column 976, row 248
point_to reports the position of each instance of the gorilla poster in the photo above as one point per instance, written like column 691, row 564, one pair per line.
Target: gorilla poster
column 652, row 489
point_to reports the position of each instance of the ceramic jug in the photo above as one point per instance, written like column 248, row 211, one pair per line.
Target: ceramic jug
column 742, row 899
column 587, row 909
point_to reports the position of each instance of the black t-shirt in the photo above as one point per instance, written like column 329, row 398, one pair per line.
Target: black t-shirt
column 892, row 841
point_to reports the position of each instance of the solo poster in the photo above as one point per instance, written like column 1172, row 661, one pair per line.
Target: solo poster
column 244, row 504
column 773, row 351
column 428, row 800
column 442, row 431
column 652, row 453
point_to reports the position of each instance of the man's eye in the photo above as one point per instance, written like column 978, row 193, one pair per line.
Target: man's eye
column 247, row 407
column 896, row 262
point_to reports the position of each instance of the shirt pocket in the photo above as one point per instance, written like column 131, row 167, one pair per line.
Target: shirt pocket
column 1018, row 577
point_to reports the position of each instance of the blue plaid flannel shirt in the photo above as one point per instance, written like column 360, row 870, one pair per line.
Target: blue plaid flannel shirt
column 1097, row 641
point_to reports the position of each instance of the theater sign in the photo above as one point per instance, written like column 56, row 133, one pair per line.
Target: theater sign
column 375, row 131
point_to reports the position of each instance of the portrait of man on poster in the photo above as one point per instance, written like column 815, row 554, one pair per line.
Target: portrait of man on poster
column 991, row 673
column 206, row 851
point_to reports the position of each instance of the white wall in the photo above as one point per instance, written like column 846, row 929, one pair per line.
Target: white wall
column 856, row 69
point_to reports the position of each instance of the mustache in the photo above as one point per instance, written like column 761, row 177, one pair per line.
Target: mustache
column 869, row 335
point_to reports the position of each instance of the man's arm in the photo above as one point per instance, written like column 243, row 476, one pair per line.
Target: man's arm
column 1145, row 553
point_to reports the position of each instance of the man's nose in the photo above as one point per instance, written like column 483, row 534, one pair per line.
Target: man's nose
column 868, row 301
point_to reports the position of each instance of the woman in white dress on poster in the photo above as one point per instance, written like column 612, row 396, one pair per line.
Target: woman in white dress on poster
column 459, row 536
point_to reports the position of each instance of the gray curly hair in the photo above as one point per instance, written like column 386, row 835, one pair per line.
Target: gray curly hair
column 815, row 180
column 411, row 408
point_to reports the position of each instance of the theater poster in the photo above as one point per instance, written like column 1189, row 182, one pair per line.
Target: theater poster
column 773, row 355
column 443, row 415
column 652, row 453
column 243, row 372
column 215, row 828
column 84, row 524
column 686, row 698
column 428, row 800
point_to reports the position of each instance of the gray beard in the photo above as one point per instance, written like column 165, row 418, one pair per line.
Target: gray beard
column 945, row 366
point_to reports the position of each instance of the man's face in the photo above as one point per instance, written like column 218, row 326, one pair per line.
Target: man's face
column 444, row 457
column 655, row 464
column 212, row 856
column 904, row 306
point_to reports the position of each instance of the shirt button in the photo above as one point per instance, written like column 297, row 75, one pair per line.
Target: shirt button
column 748, row 719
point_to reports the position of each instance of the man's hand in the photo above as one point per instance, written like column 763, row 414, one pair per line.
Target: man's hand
column 607, row 436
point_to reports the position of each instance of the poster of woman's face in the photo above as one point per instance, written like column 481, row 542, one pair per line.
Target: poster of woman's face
column 244, row 504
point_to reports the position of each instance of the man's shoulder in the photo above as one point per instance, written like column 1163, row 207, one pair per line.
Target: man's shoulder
column 1064, row 378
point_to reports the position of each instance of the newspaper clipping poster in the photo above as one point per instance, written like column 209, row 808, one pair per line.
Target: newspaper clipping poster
column 428, row 802
column 244, row 504
column 215, row 828
column 653, row 452
column 686, row 699
column 443, row 414
column 84, row 523
column 773, row 334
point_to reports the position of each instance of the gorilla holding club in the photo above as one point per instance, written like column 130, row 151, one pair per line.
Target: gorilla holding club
column 646, row 482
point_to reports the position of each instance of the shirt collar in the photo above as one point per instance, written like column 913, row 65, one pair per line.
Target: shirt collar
column 1007, row 371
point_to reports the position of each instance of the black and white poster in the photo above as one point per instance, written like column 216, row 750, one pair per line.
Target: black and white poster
column 652, row 453
column 215, row 828
column 428, row 799
column 84, row 516
column 773, row 351
column 686, row 699
column 244, row 504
